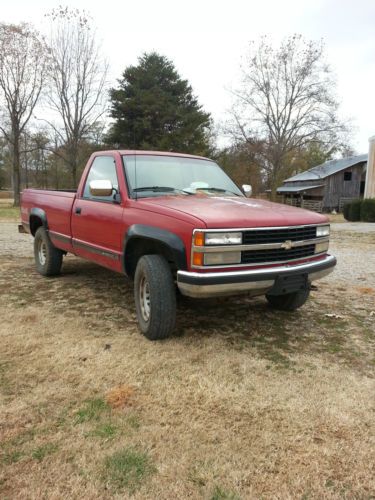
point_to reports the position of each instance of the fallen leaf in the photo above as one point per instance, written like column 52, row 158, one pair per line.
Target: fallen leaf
column 334, row 316
column 366, row 290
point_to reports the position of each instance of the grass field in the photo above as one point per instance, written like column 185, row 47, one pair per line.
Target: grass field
column 8, row 212
column 243, row 402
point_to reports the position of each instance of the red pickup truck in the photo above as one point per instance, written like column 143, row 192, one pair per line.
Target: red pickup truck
column 173, row 221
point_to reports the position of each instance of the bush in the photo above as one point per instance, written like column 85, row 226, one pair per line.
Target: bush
column 368, row 210
column 346, row 211
column 352, row 211
column 360, row 210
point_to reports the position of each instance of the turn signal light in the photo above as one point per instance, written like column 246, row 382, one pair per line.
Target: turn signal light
column 198, row 259
column 199, row 239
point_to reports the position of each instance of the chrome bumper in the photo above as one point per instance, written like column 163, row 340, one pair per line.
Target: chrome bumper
column 256, row 281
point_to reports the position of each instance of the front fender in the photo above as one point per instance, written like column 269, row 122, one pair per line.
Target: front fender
column 172, row 245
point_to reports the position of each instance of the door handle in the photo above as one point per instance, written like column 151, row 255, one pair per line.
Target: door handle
column 78, row 210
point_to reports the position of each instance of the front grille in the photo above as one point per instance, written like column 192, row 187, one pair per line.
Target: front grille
column 276, row 254
column 257, row 236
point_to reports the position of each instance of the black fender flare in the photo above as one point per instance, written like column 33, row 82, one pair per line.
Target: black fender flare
column 40, row 214
column 172, row 243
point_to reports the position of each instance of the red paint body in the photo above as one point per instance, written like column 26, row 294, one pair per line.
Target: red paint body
column 104, row 225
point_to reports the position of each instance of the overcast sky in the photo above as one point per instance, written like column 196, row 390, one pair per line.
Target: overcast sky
column 206, row 39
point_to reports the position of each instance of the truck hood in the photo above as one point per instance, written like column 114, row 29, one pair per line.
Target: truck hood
column 234, row 212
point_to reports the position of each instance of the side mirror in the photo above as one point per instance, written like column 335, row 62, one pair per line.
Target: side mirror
column 101, row 188
column 247, row 189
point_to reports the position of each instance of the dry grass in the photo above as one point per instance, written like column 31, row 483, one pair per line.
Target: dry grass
column 336, row 217
column 242, row 402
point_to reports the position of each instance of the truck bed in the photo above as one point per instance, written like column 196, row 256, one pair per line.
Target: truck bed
column 57, row 205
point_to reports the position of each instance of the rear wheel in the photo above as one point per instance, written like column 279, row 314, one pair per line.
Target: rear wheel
column 289, row 301
column 155, row 297
column 48, row 258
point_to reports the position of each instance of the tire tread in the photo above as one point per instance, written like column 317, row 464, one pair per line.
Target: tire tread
column 163, row 297
column 53, row 264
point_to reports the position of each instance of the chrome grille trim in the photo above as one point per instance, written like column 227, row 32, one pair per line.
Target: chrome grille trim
column 280, row 245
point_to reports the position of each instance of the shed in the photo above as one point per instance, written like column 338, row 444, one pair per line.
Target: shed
column 328, row 186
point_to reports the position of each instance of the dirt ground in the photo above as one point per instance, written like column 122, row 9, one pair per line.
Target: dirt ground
column 242, row 402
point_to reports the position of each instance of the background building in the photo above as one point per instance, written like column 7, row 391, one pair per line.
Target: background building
column 328, row 186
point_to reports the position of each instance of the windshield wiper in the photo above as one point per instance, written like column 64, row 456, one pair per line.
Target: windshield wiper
column 218, row 190
column 159, row 189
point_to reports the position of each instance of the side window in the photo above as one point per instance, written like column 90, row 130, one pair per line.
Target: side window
column 102, row 168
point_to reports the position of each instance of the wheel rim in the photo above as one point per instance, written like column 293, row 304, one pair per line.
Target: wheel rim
column 42, row 252
column 144, row 298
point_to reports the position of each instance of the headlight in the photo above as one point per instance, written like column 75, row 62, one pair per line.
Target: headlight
column 322, row 231
column 219, row 258
column 223, row 238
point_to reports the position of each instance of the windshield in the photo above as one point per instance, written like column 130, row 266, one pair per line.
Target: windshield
column 153, row 175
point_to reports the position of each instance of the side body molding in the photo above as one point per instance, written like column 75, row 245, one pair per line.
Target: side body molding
column 152, row 237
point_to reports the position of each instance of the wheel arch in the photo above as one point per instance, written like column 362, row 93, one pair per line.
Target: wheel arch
column 144, row 240
column 37, row 219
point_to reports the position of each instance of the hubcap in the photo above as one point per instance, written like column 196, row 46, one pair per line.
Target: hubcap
column 144, row 298
column 42, row 252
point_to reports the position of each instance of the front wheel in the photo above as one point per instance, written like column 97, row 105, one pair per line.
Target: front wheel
column 48, row 258
column 289, row 301
column 155, row 297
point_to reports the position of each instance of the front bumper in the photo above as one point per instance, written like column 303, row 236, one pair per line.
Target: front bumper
column 255, row 281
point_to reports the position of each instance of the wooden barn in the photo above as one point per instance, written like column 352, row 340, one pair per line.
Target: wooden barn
column 328, row 186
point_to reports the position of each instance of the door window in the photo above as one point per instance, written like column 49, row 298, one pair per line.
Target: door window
column 102, row 168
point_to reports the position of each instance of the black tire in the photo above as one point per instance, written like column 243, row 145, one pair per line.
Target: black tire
column 289, row 301
column 157, row 314
column 48, row 259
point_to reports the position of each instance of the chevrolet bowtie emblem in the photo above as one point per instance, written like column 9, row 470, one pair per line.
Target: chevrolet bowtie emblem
column 287, row 245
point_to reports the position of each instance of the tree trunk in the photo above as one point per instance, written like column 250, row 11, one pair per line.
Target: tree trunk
column 74, row 174
column 72, row 160
column 16, row 164
column 273, row 188
column 26, row 166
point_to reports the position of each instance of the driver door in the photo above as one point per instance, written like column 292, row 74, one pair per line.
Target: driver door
column 97, row 220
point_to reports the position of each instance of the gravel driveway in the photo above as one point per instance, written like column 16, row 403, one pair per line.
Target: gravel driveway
column 352, row 243
column 13, row 243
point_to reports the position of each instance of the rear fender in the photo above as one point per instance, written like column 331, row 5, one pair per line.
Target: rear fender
column 37, row 218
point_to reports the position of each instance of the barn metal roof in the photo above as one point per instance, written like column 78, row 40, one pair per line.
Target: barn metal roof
column 297, row 189
column 328, row 168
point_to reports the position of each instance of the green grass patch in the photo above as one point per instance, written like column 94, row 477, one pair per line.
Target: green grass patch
column 11, row 457
column 22, row 438
column 8, row 212
column 220, row 494
column 133, row 421
column 43, row 451
column 91, row 411
column 104, row 431
column 334, row 348
column 127, row 469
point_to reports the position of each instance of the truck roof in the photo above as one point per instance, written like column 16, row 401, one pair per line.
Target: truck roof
column 157, row 153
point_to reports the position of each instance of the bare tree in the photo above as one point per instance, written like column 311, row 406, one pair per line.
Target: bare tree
column 78, row 81
column 286, row 101
column 23, row 71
